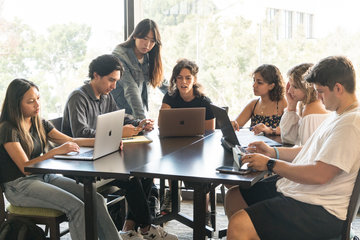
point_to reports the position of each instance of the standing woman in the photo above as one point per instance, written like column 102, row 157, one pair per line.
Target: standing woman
column 141, row 58
column 297, row 125
column 24, row 139
column 265, row 112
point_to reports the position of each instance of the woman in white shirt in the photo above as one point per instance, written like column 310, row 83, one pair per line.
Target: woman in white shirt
column 298, row 124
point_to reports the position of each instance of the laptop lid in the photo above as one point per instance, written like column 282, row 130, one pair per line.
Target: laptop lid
column 224, row 123
column 109, row 127
column 178, row 122
column 232, row 138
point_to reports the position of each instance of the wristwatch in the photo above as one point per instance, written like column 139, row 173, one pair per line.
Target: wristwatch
column 270, row 165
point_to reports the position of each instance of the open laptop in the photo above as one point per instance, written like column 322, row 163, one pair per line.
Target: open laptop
column 178, row 122
column 230, row 137
column 108, row 135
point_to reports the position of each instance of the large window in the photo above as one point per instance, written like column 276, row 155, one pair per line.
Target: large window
column 52, row 43
column 229, row 39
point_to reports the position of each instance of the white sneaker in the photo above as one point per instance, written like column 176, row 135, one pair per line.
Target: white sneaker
column 131, row 235
column 158, row 233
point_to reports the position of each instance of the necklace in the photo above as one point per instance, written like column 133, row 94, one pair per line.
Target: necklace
column 348, row 107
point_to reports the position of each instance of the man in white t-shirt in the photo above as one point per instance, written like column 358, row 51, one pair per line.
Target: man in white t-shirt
column 310, row 201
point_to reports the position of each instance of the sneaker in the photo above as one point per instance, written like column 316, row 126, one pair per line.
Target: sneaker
column 131, row 235
column 166, row 206
column 158, row 233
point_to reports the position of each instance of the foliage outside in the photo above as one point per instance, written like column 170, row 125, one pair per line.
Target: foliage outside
column 226, row 48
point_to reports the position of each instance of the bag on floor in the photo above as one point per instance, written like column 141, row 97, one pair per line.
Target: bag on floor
column 20, row 229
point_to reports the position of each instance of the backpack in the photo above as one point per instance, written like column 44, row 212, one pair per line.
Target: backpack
column 20, row 229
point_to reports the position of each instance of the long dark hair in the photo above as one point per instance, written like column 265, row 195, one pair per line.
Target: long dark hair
column 272, row 74
column 11, row 113
column 193, row 68
column 141, row 30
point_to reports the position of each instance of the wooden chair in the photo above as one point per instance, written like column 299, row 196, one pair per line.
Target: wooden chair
column 43, row 216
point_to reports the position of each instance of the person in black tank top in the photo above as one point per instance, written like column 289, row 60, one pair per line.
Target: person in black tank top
column 265, row 112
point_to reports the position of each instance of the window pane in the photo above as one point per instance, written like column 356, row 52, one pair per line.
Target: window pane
column 229, row 39
column 52, row 43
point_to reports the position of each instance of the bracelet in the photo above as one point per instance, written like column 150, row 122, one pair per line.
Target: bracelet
column 276, row 152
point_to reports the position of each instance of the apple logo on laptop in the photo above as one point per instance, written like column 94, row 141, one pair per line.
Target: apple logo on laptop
column 109, row 133
column 182, row 122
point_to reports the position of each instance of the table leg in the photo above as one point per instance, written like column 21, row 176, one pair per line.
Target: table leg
column 90, row 208
column 199, row 231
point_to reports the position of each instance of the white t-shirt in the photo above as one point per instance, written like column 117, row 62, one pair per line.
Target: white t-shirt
column 297, row 130
column 335, row 142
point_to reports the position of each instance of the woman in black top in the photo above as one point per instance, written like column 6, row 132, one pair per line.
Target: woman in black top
column 185, row 91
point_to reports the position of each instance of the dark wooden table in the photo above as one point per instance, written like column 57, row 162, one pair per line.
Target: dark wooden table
column 196, row 165
column 117, row 165
column 191, row 159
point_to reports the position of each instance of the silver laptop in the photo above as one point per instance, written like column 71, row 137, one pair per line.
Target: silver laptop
column 178, row 122
column 108, row 135
column 230, row 137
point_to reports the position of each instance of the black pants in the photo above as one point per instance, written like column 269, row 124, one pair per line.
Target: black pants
column 137, row 193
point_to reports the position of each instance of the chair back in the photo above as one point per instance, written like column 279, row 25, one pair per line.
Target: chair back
column 352, row 209
column 57, row 123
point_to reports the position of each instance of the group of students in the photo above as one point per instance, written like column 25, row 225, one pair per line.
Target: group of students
column 315, row 178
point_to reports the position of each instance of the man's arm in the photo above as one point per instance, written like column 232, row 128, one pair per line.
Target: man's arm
column 285, row 153
column 317, row 173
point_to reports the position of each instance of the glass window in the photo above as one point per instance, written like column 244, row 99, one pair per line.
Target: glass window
column 288, row 24
column 52, row 43
column 229, row 39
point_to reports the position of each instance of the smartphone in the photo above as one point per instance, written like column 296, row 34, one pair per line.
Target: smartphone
column 234, row 170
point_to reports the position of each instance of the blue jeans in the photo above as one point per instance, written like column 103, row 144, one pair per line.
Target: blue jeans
column 64, row 194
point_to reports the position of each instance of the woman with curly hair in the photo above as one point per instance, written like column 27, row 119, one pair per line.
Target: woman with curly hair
column 185, row 91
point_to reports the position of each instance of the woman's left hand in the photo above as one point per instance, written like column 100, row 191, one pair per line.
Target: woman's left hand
column 259, row 128
column 256, row 161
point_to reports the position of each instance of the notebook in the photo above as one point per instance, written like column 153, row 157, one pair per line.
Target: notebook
column 178, row 122
column 137, row 139
column 231, row 137
column 107, row 138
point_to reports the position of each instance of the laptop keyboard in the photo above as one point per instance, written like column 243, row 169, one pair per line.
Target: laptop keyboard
column 89, row 153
